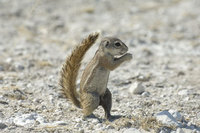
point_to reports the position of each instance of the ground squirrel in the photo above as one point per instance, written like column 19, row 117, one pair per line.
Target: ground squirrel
column 93, row 85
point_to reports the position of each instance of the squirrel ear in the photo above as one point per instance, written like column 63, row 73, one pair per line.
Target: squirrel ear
column 105, row 43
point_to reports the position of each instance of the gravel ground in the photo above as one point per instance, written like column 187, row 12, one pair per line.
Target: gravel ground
column 163, row 36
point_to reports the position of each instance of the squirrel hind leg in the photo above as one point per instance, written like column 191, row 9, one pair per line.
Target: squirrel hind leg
column 90, row 103
column 106, row 103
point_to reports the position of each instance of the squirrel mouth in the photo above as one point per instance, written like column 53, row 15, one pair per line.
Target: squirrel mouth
column 121, row 54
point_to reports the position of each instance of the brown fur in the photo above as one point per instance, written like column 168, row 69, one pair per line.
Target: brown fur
column 93, row 85
column 70, row 68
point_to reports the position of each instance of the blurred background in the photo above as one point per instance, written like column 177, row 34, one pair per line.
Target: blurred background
column 136, row 21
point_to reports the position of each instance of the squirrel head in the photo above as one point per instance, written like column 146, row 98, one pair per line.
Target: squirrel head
column 113, row 46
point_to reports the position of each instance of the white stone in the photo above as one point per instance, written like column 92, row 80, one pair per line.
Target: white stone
column 109, row 131
column 23, row 120
column 98, row 125
column 61, row 123
column 179, row 130
column 9, row 60
column 176, row 115
column 40, row 119
column 54, row 124
column 95, row 121
column 77, row 125
column 183, row 92
column 19, row 67
column 186, row 99
column 136, row 88
column 166, row 118
column 145, row 94
column 132, row 130
column 185, row 130
column 28, row 119
column 1, row 68
column 78, row 119
column 29, row 85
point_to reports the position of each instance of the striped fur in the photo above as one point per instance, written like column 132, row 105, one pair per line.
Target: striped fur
column 71, row 67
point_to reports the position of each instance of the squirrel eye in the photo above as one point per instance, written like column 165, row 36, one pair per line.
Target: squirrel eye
column 117, row 44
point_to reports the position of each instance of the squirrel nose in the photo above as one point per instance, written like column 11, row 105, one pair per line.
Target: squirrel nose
column 126, row 49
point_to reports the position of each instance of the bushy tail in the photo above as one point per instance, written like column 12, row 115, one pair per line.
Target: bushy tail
column 71, row 67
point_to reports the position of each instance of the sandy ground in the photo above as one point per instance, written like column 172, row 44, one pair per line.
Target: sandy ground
column 37, row 35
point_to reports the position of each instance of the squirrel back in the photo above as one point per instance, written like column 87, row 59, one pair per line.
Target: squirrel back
column 71, row 67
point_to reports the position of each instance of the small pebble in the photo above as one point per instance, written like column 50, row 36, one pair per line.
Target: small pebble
column 9, row 60
column 28, row 119
column 183, row 92
column 179, row 130
column 1, row 68
column 19, row 67
column 2, row 125
column 166, row 118
column 146, row 94
column 95, row 121
column 136, row 88
column 132, row 130
column 176, row 115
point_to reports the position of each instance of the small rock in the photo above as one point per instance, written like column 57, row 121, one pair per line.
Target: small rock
column 109, row 127
column 108, row 131
column 147, row 52
column 81, row 130
column 3, row 102
column 29, row 85
column 94, row 121
column 40, row 119
column 176, row 115
column 183, row 92
column 136, row 88
column 132, row 130
column 181, row 73
column 9, row 60
column 2, row 125
column 19, row 67
column 179, row 130
column 54, row 124
column 30, row 65
column 143, row 78
column 16, row 94
column 186, row 99
column 59, row 25
column 165, row 130
column 146, row 94
column 1, row 68
column 166, row 118
column 77, row 125
column 191, row 125
column 185, row 130
column 78, row 119
column 163, row 95
column 28, row 119
column 60, row 123
column 98, row 125
column 1, row 115
column 160, row 85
